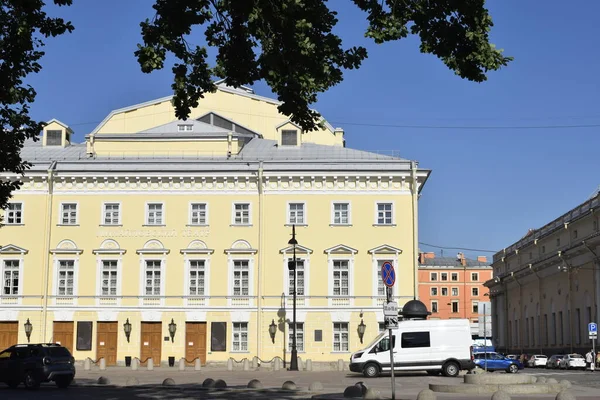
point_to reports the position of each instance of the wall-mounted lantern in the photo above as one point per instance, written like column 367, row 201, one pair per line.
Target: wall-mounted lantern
column 172, row 329
column 361, row 330
column 272, row 330
column 127, row 329
column 28, row 329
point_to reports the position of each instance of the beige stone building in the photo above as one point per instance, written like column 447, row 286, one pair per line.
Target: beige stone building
column 545, row 286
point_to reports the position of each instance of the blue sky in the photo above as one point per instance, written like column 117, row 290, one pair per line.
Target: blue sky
column 488, row 186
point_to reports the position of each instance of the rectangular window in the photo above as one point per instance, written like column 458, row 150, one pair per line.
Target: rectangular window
column 11, row 277
column 14, row 214
column 474, row 276
column 444, row 291
column 340, row 278
column 299, row 336
column 53, row 138
column 384, row 214
column 454, row 276
column 575, row 234
column 299, row 279
column 185, row 128
column 153, row 277
column 474, row 292
column 455, row 306
column 444, row 276
column 434, row 306
column 341, row 213
column 68, row 214
column 241, row 278
column 66, row 277
column 340, row 336
column 475, row 307
column 240, row 336
column 543, row 249
column 241, row 214
column 415, row 339
column 154, row 214
column 454, row 291
column 196, row 282
column 381, row 326
column 433, row 276
column 577, row 326
column 560, row 328
column 112, row 214
column 296, row 213
column 434, row 291
column 198, row 214
column 109, row 278
column 557, row 242
column 289, row 138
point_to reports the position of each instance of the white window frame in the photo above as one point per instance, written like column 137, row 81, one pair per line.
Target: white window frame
column 341, row 342
column 8, row 212
column 57, row 262
column 454, row 289
column 100, row 258
column 477, row 276
column 289, row 213
column 233, row 334
column 474, row 294
column 287, row 278
column 437, row 306
column 3, row 262
column 333, row 213
column 184, row 128
column 101, row 262
column 300, row 344
column 377, row 282
column 452, row 275
column 191, row 214
column 393, row 211
column 61, row 210
column 163, row 276
column 452, row 303
column 233, row 213
column 103, row 213
column 431, row 289
column 163, row 210
column 473, row 304
column 231, row 268
column 442, row 291
column 341, row 260
column 431, row 275
column 442, row 274
column 188, row 276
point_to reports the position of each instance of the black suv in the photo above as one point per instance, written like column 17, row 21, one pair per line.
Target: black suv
column 33, row 364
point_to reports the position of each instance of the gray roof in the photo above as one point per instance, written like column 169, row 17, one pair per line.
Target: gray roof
column 197, row 128
column 35, row 152
column 452, row 262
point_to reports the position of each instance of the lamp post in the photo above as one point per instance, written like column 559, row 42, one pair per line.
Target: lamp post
column 172, row 330
column 127, row 329
column 361, row 330
column 292, row 267
column 272, row 330
column 28, row 329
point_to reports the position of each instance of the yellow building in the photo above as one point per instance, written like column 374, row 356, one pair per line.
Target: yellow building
column 155, row 224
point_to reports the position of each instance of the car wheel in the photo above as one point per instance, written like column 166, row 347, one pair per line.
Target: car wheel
column 12, row 384
column 63, row 383
column 31, row 381
column 450, row 369
column 371, row 370
column 513, row 369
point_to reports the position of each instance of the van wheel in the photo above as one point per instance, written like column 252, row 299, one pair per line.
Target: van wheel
column 371, row 370
column 450, row 369
column 513, row 369
column 31, row 381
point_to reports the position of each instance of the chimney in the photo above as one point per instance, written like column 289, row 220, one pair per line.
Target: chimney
column 430, row 255
column 421, row 258
column 482, row 259
column 461, row 257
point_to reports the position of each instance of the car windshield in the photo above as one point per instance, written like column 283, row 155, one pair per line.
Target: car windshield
column 377, row 339
column 575, row 356
column 542, row 356
column 58, row 352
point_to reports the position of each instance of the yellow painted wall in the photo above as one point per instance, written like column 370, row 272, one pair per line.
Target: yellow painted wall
column 216, row 147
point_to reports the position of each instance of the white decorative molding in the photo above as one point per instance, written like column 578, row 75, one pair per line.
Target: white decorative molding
column 64, row 315
column 299, row 250
column 340, row 249
column 7, row 314
column 240, row 316
column 66, row 247
column 108, row 316
column 385, row 249
column 151, row 316
column 241, row 247
column 109, row 246
column 195, row 316
column 340, row 316
column 12, row 249
column 153, row 247
column 197, row 247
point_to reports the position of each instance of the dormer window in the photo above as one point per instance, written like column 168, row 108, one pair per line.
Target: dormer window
column 289, row 138
column 185, row 128
column 53, row 138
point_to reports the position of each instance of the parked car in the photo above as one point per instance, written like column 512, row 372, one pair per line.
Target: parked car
column 572, row 361
column 435, row 346
column 513, row 356
column 497, row 362
column 537, row 360
column 33, row 364
column 554, row 360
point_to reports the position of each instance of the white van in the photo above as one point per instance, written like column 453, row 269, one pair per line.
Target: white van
column 435, row 346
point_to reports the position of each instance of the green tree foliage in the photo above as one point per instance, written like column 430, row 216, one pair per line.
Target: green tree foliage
column 23, row 26
column 290, row 45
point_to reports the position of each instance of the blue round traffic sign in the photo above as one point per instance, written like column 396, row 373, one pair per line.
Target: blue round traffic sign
column 388, row 274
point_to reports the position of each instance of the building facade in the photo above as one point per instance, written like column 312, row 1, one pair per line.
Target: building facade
column 164, row 238
column 545, row 286
column 453, row 287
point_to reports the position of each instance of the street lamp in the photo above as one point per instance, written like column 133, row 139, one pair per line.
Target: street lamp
column 272, row 330
column 28, row 329
column 361, row 330
column 292, row 267
column 172, row 329
column 127, row 329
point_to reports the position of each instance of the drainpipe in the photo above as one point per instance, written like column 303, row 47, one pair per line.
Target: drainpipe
column 415, row 221
column 520, row 341
column 540, row 303
column 48, row 237
column 570, row 302
column 261, row 250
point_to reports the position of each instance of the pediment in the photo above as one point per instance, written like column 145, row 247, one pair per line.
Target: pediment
column 299, row 249
column 12, row 249
column 385, row 249
column 341, row 249
column 197, row 247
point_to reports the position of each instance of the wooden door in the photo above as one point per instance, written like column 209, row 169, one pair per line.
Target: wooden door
column 151, row 334
column 106, row 345
column 195, row 341
column 9, row 334
column 63, row 334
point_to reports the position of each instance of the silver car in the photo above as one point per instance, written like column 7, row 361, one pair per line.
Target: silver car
column 572, row 361
column 553, row 361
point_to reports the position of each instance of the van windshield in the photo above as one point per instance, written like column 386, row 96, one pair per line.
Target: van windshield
column 377, row 339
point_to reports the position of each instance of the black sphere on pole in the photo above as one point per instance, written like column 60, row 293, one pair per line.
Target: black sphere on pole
column 294, row 358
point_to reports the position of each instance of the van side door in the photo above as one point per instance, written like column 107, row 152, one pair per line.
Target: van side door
column 381, row 352
column 413, row 351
